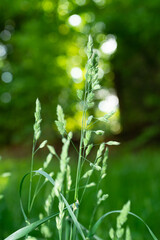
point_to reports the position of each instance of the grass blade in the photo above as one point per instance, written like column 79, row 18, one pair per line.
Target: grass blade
column 78, row 226
column 41, row 172
column 26, row 230
column 96, row 225
column 46, row 175
column 22, row 232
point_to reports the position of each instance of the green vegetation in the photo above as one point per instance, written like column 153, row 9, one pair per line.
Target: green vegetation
column 129, row 177
column 39, row 48
column 58, row 218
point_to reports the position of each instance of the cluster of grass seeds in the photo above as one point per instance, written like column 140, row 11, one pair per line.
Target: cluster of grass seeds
column 59, row 219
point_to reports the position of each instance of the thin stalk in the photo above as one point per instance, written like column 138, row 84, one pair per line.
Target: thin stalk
column 87, row 183
column 74, row 227
column 78, row 167
column 96, row 205
column 80, row 153
column 31, row 176
column 66, row 230
column 60, row 234
column 79, row 158
column 71, row 232
column 37, row 190
column 85, row 159
column 92, row 124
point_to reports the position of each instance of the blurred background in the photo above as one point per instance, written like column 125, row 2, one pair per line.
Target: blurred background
column 43, row 54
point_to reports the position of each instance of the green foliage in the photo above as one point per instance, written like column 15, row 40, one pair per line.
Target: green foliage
column 37, row 57
column 124, row 172
column 40, row 45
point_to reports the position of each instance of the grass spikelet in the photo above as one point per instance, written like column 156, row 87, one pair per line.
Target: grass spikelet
column 111, row 233
column 36, row 127
column 101, row 197
column 100, row 150
column 87, row 174
column 122, row 218
column 128, row 234
column 59, row 219
column 61, row 123
column 90, row 146
column 104, row 164
column 44, row 229
column 51, row 149
column 113, row 143
column 48, row 160
column 99, row 132
column 80, row 94
column 69, row 179
column 96, row 167
column 89, row 119
column 87, row 138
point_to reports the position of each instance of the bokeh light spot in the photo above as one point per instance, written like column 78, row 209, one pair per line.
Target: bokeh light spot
column 99, row 27
column 47, row 6
column 75, row 20
column 109, row 46
column 6, row 97
column 110, row 104
column 7, row 77
column 3, row 51
column 88, row 17
column 5, row 35
column 100, row 2
column 76, row 73
column 100, row 73
column 80, row 2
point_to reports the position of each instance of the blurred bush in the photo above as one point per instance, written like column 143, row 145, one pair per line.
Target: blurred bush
column 42, row 47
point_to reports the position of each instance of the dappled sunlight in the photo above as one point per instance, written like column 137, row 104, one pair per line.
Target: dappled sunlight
column 76, row 74
column 110, row 104
column 7, row 77
column 100, row 73
column 75, row 20
column 63, row 8
column 3, row 51
column 80, row 2
column 100, row 2
column 110, row 45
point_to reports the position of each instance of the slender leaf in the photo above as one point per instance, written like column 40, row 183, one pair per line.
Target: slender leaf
column 41, row 172
column 22, row 232
column 96, row 225
column 26, row 230
column 77, row 224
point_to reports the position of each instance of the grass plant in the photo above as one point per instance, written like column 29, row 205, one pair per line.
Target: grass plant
column 59, row 218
